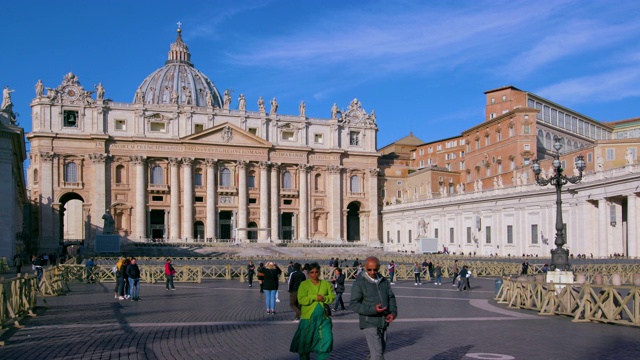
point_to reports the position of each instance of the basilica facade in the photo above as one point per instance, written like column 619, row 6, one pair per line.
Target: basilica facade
column 179, row 164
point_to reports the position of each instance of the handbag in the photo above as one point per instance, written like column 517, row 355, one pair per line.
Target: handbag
column 327, row 310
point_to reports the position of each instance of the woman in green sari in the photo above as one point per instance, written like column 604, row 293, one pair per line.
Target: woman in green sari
column 314, row 332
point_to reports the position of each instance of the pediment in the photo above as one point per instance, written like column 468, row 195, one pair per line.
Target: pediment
column 227, row 134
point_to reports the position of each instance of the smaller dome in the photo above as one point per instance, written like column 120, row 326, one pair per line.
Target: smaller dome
column 178, row 82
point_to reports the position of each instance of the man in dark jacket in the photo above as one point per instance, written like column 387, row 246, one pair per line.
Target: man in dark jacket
column 295, row 278
column 373, row 299
column 133, row 273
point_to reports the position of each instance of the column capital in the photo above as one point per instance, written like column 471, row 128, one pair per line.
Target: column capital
column 97, row 158
column 187, row 161
column 334, row 169
column 264, row 165
column 275, row 166
column 210, row 162
column 173, row 161
column 46, row 156
column 375, row 172
column 304, row 168
column 242, row 164
column 138, row 159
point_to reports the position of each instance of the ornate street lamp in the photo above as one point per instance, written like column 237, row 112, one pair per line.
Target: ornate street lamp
column 559, row 256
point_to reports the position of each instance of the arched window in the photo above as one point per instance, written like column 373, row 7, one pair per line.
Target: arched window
column 119, row 174
column 354, row 184
column 156, row 176
column 317, row 183
column 251, row 179
column 71, row 172
column 118, row 220
column 286, row 180
column 197, row 179
column 540, row 137
column 547, row 142
column 35, row 176
column 225, row 177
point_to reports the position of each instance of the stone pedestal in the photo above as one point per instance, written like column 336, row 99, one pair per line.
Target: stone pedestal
column 107, row 243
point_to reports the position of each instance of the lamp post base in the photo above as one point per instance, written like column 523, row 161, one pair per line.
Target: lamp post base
column 560, row 259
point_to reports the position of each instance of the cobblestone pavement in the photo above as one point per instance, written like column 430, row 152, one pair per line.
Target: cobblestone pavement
column 227, row 320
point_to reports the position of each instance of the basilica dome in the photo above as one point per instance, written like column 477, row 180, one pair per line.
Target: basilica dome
column 178, row 82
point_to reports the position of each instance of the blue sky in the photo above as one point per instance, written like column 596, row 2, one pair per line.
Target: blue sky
column 422, row 65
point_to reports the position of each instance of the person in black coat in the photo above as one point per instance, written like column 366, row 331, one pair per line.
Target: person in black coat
column 295, row 278
column 270, row 285
column 338, row 285
column 133, row 273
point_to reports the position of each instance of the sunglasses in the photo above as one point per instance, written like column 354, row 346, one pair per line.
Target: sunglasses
column 368, row 270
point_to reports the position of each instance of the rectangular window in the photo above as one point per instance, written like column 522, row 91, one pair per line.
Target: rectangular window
column 198, row 128
column 199, row 199
column 509, row 234
column 157, row 127
column 421, row 151
column 534, row 234
column 388, row 236
column 611, row 154
column 451, row 235
column 547, row 114
column 589, row 157
column 253, row 131
column 421, row 163
column 439, row 147
column 399, row 194
column 409, row 235
column 253, row 201
column 354, row 138
column 468, row 234
column 398, row 237
column 288, row 202
column 121, row 125
column 554, row 117
column 633, row 153
column 318, row 139
column 488, row 234
column 288, row 135
column 157, row 198
column 539, row 114
column 70, row 118
column 435, row 233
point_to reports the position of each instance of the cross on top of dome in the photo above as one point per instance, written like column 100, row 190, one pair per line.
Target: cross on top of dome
column 179, row 51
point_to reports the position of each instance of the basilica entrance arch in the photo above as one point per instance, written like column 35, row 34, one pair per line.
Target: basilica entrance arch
column 252, row 233
column 73, row 222
column 353, row 221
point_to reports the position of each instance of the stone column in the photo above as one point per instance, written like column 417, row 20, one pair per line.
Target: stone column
column 264, row 201
column 187, row 198
column 632, row 225
column 335, row 202
column 275, row 199
column 303, row 233
column 98, row 198
column 46, row 200
column 141, row 204
column 174, row 221
column 373, row 233
column 210, row 227
column 242, row 200
column 603, row 220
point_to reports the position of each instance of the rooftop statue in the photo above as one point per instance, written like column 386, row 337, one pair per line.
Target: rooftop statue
column 261, row 104
column 39, row 89
column 334, row 111
column 242, row 102
column 303, row 109
column 99, row 91
column 274, row 106
column 6, row 99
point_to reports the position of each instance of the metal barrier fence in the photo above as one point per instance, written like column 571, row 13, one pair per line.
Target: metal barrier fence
column 17, row 299
column 583, row 302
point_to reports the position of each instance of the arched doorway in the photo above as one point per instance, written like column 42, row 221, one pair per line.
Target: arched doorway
column 353, row 221
column 73, row 224
column 252, row 233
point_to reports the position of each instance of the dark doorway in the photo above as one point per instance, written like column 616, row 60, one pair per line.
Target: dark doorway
column 353, row 222
column 198, row 230
column 287, row 226
column 226, row 224
column 252, row 233
column 157, row 224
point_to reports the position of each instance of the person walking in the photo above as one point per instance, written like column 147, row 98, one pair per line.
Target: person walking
column 251, row 270
column 133, row 273
column 125, row 277
column 338, row 285
column 455, row 272
column 296, row 277
column 169, row 272
column 261, row 276
column 90, row 266
column 392, row 271
column 416, row 273
column 525, row 268
column 17, row 261
column 374, row 301
column 119, row 279
column 271, row 275
column 315, row 330
column 37, row 265
column 464, row 279
column 437, row 271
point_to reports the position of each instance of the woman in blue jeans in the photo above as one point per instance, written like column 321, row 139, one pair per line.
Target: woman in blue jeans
column 270, row 285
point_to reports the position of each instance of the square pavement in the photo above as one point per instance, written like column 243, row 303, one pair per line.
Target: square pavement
column 227, row 320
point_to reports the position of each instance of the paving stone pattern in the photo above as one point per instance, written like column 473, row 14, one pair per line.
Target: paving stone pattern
column 227, row 320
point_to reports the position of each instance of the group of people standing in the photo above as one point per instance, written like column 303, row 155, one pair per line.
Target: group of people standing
column 127, row 279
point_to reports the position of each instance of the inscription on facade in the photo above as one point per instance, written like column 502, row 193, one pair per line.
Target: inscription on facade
column 191, row 148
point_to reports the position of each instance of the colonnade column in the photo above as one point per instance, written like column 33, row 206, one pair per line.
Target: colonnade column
column 264, row 201
column 275, row 198
column 303, row 234
column 335, row 200
column 174, row 219
column 98, row 198
column 632, row 225
column 187, row 201
column 242, row 200
column 141, row 204
column 210, row 227
column 46, row 199
column 373, row 233
column 603, row 219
